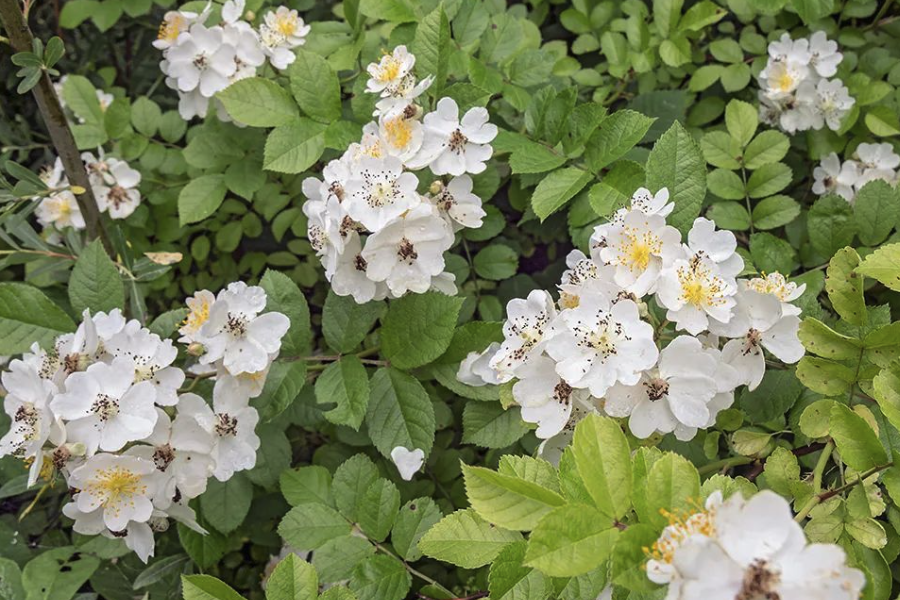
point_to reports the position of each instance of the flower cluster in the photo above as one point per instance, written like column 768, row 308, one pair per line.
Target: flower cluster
column 200, row 60
column 796, row 93
column 873, row 161
column 752, row 548
column 104, row 408
column 596, row 349
column 113, row 182
column 371, row 192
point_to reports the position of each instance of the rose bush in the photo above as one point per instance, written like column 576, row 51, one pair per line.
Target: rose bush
column 387, row 299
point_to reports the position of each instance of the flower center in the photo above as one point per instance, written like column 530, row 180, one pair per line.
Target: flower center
column 389, row 70
column 398, row 132
column 198, row 315
column 115, row 486
column 236, row 325
column 656, row 388
column 359, row 263
column 286, row 24
column 562, row 392
column 699, row 287
column 105, row 407
column 225, row 424
column 170, row 28
column 637, row 249
column 382, row 194
column 759, row 583
column 163, row 456
column 457, row 141
column 407, row 251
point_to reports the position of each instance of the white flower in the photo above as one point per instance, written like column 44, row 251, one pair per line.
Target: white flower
column 248, row 51
column 60, row 210
column 782, row 78
column 401, row 136
column 32, row 424
column 121, row 197
column 824, row 55
column 527, row 323
column 476, row 370
column 407, row 252
column 585, row 276
column 138, row 536
column 192, row 104
column 639, row 248
column 119, row 486
column 546, row 399
column 181, row 452
column 198, row 313
column 642, row 200
column 787, row 50
column 600, row 343
column 672, row 397
column 104, row 408
column 379, row 192
column 232, row 422
column 832, row 177
column 350, row 278
column 693, row 290
column 290, row 24
column 233, row 10
column 552, row 448
column 390, row 71
column 408, row 462
column 452, row 146
column 400, row 96
column 831, row 101
column 201, row 61
column 877, row 161
column 246, row 384
column 328, row 229
column 174, row 24
column 236, row 333
column 758, row 323
column 758, row 551
column 720, row 246
column 152, row 358
column 458, row 204
column 777, row 285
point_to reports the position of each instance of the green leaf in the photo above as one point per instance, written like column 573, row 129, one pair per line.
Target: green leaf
column 510, row 579
column 876, row 211
column 824, row 376
column 773, row 397
column 604, row 462
column 830, row 224
column 345, row 383
column 57, row 574
column 616, row 188
column 616, row 135
column 379, row 508
column 260, row 102
column 201, row 198
column 225, row 504
column 673, row 484
column 782, row 471
column 556, row 189
column 415, row 518
column 741, row 120
column 145, row 116
column 886, row 385
column 571, row 540
column 351, row 480
column 812, row 10
column 770, row 253
column 496, row 262
column 207, row 587
column 380, row 577
column 721, row 150
column 432, row 48
column 10, row 580
column 311, row 525
column 284, row 383
column 307, row 485
column 273, row 456
column 345, row 323
column 81, row 97
column 883, row 265
column 28, row 316
column 855, row 439
column 531, row 157
column 882, row 121
column 726, row 184
column 292, row 579
column 315, row 87
column 823, row 341
column 337, row 558
column 95, row 284
column 508, row 501
column 397, row 11
column 775, row 211
column 205, row 550
column 729, row 51
column 767, row 148
column 769, row 179
column 466, row 540
column 400, row 413
column 845, row 287
column 729, row 215
column 294, row 148
column 283, row 295
column 489, row 425
column 76, row 12
column 418, row 328
column 677, row 164
column 700, row 15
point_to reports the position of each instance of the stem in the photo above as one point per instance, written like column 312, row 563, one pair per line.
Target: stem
column 881, row 12
column 411, row 570
column 725, row 463
column 819, row 469
column 818, row 498
column 16, row 26
column 39, row 252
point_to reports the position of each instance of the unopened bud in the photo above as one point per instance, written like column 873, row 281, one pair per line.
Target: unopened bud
column 643, row 309
column 436, row 187
column 76, row 448
column 249, row 15
column 77, row 190
column 196, row 349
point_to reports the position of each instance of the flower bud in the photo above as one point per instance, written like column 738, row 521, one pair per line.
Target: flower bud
column 436, row 187
column 196, row 349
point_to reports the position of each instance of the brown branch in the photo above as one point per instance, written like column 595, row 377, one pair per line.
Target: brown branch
column 20, row 38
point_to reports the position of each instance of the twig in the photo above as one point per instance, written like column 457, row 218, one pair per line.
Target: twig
column 21, row 39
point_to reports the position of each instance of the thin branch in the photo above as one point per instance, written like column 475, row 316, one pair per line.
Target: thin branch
column 20, row 37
